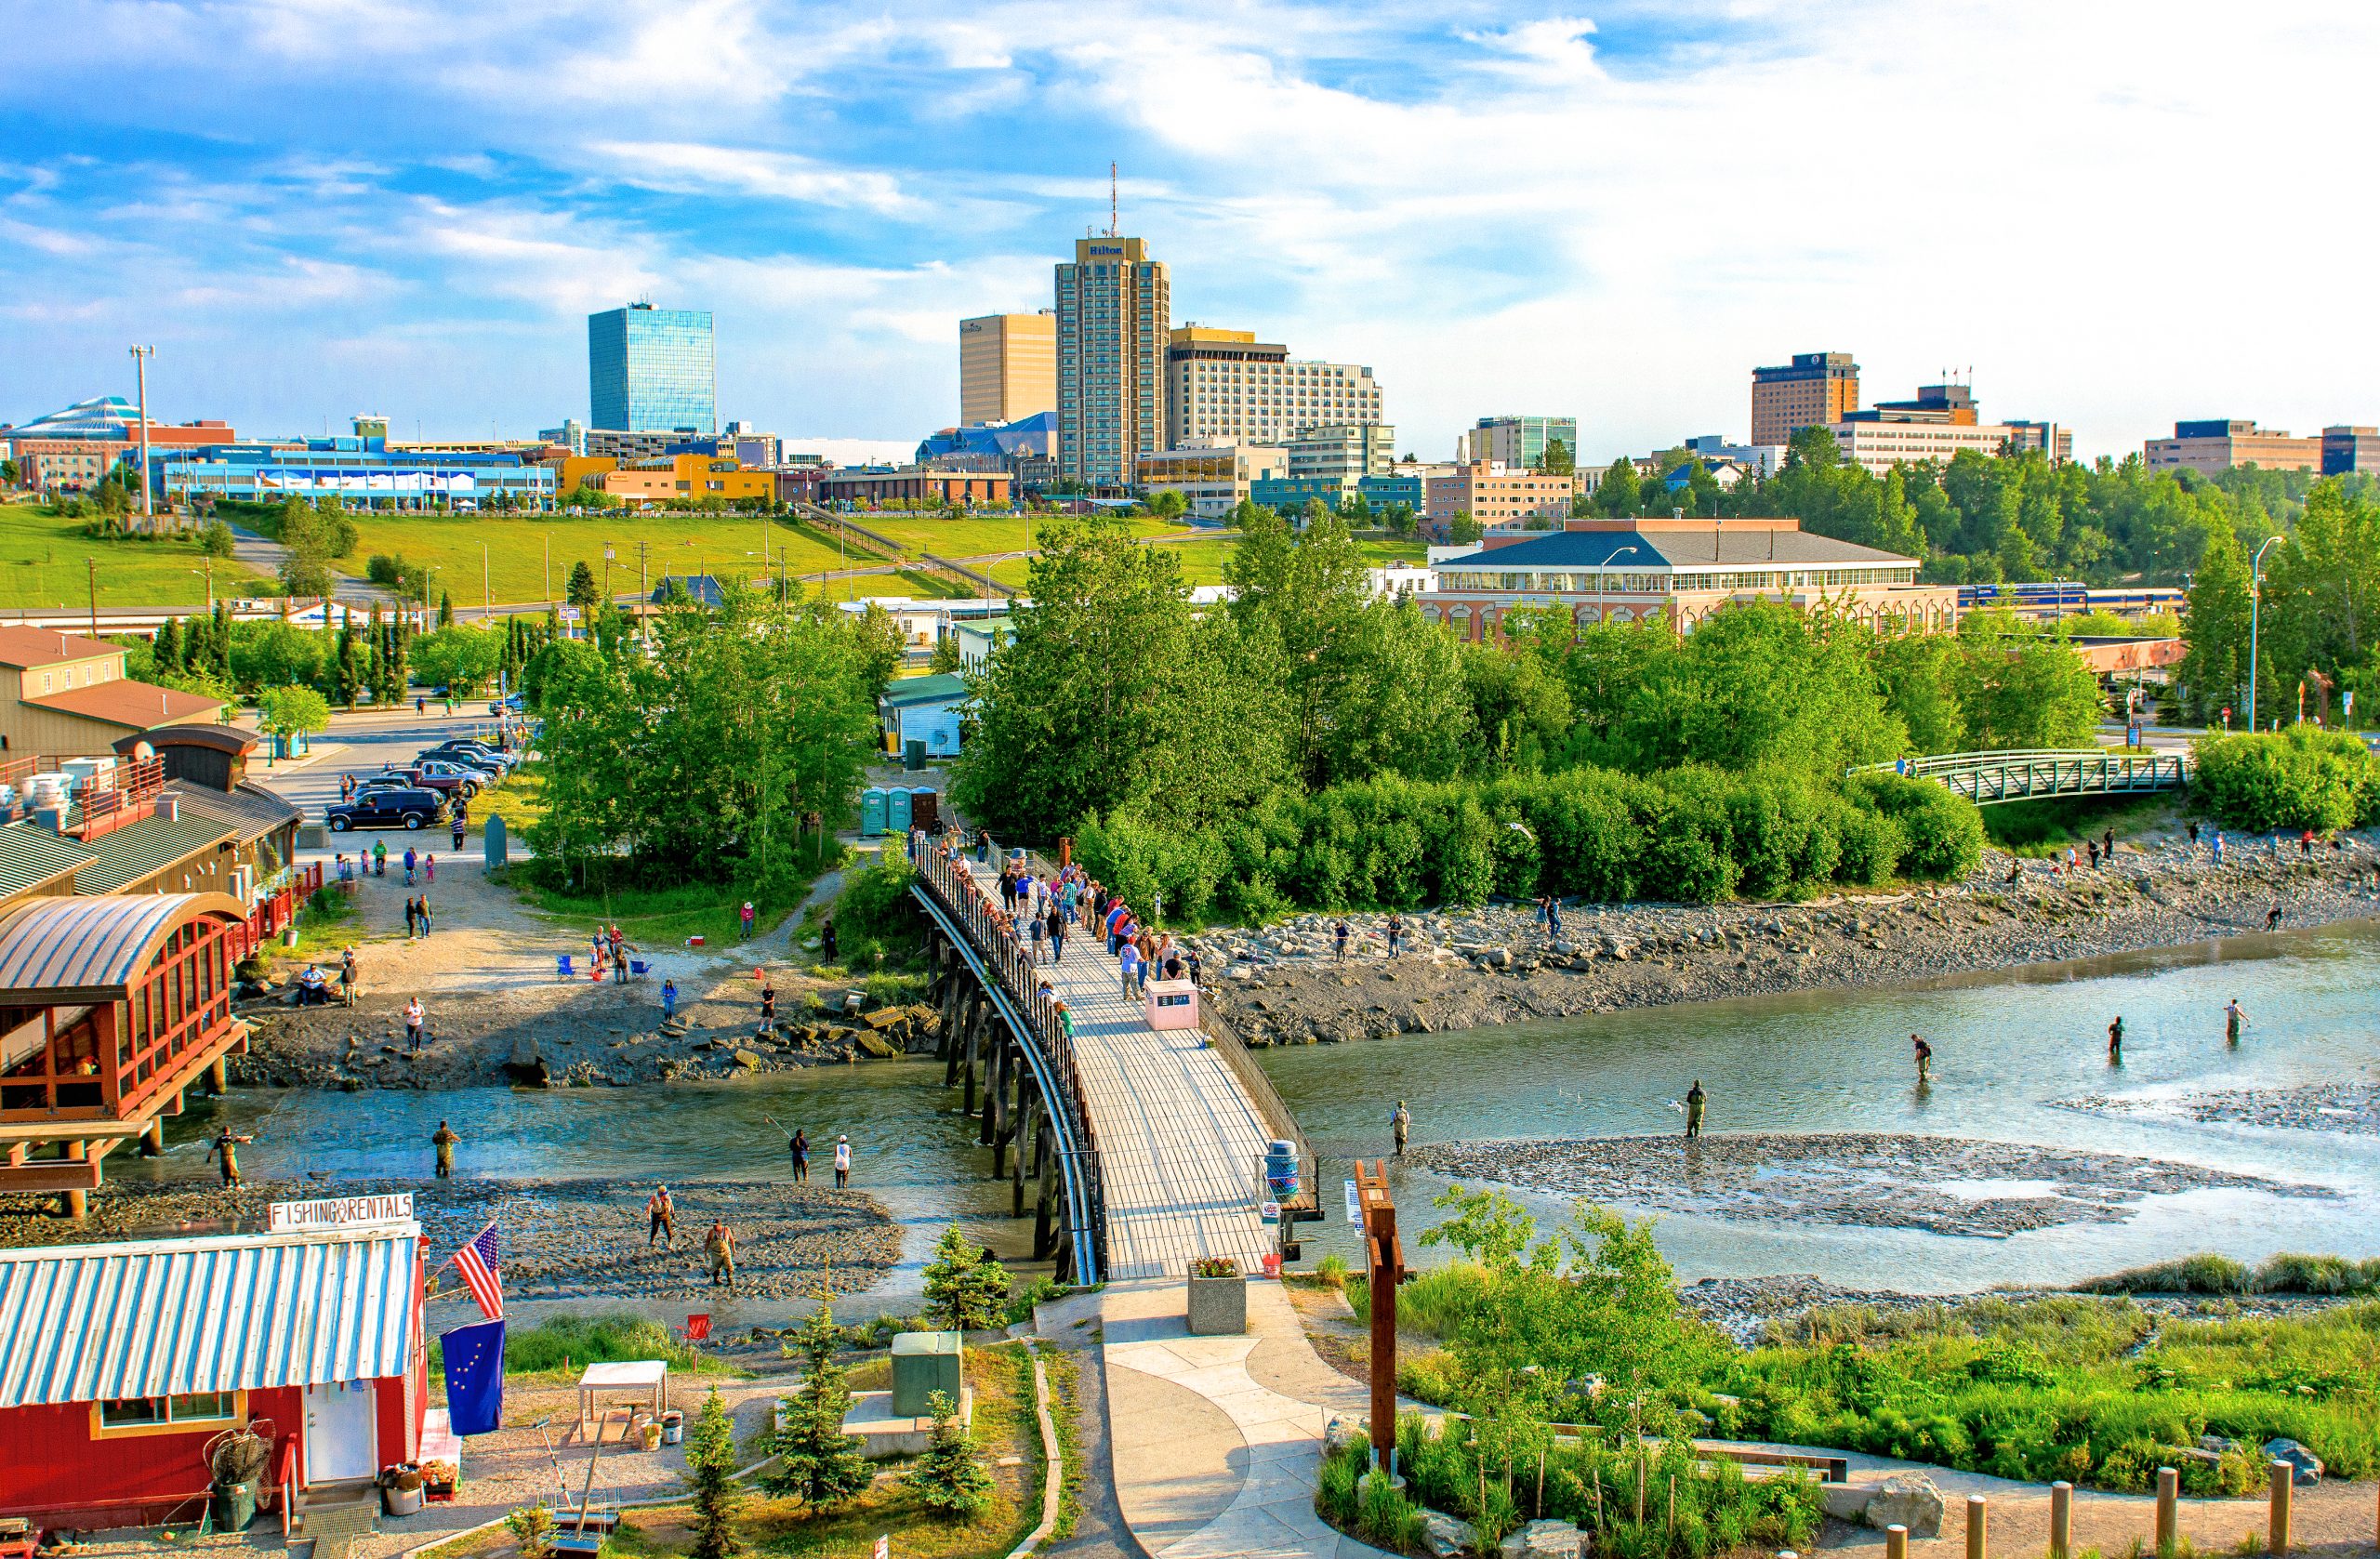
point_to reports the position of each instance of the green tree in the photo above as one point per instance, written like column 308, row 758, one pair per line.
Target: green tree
column 1559, row 458
column 2022, row 688
column 292, row 711
column 816, row 1462
column 951, row 1477
column 582, row 590
column 446, row 609
column 1168, row 503
column 1618, row 492
column 457, row 656
column 2214, row 669
column 167, row 645
column 214, row 539
column 943, row 660
column 965, row 1290
column 710, row 1480
column 274, row 654
column 1463, row 529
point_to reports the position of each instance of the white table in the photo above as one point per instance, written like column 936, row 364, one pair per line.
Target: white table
column 648, row 1376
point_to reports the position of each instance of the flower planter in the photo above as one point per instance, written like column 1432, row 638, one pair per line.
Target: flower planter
column 1218, row 1305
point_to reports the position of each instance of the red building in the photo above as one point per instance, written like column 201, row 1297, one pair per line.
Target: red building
column 119, row 1362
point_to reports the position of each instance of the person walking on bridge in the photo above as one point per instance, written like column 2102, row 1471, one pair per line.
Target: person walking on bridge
column 1694, row 1103
column 443, row 1141
column 1057, row 930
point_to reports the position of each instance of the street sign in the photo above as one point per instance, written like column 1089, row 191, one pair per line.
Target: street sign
column 1355, row 1204
column 339, row 1213
column 884, row 1546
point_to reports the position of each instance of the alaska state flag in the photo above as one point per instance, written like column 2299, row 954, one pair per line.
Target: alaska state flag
column 475, row 1377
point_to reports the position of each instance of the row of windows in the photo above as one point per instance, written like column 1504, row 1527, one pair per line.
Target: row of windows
column 1588, row 582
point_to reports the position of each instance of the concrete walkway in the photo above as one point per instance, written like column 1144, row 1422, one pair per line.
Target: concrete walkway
column 1217, row 1441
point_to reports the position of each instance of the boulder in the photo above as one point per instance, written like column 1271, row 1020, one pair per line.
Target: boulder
column 1844, row 1501
column 878, row 1045
column 1339, row 1430
column 1443, row 1536
column 2306, row 1467
column 748, row 1059
column 1545, row 1539
column 1906, row 1500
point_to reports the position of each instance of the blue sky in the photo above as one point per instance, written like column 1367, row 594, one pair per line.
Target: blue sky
column 2116, row 212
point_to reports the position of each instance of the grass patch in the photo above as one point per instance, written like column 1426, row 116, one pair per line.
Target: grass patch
column 1004, row 1426
column 517, row 548
column 977, row 535
column 1063, row 1370
column 519, row 801
column 556, row 1349
column 2038, row 828
column 2285, row 1273
column 657, row 917
column 325, row 924
column 43, row 567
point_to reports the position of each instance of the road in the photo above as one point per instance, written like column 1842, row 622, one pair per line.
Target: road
column 367, row 741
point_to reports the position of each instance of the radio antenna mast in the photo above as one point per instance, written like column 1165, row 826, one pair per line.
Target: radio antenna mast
column 1114, row 220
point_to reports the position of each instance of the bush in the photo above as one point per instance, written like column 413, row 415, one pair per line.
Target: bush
column 585, row 1340
column 965, row 1290
column 875, row 905
column 951, row 1477
column 2301, row 777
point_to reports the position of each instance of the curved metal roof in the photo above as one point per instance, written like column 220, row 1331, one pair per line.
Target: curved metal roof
column 92, row 949
column 89, row 1323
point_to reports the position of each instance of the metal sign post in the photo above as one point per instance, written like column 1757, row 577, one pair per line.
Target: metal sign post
column 1384, row 1262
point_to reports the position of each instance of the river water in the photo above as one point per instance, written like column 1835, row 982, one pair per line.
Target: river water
column 2008, row 1049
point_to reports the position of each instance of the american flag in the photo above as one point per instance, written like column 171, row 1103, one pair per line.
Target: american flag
column 476, row 1262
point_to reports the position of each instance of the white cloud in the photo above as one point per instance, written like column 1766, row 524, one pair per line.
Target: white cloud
column 778, row 174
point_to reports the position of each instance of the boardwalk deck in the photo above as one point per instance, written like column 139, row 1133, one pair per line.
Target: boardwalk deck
column 1180, row 1143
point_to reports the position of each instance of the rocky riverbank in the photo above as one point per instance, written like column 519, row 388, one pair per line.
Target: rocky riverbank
column 1801, row 1307
column 579, row 1034
column 1942, row 1186
column 1284, row 984
column 569, row 1239
column 2352, row 1108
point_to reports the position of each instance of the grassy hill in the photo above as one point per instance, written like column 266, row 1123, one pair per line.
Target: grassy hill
column 43, row 567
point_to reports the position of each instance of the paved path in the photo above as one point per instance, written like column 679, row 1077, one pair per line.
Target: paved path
column 1181, row 1149
column 1217, row 1441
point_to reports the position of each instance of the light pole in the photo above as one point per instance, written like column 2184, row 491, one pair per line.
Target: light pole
column 141, row 356
column 2255, row 600
column 487, row 593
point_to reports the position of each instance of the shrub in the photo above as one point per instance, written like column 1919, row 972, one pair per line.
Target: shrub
column 532, row 1530
column 2301, row 777
column 965, row 1290
column 875, row 905
column 951, row 1477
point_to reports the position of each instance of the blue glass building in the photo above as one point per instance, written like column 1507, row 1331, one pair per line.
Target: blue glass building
column 651, row 370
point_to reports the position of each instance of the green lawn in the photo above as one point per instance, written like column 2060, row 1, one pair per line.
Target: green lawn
column 42, row 566
column 973, row 537
column 725, row 545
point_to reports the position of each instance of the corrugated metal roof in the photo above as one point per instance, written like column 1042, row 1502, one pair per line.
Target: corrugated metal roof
column 137, row 849
column 933, row 689
column 31, row 856
column 90, row 949
column 252, row 812
column 89, row 1323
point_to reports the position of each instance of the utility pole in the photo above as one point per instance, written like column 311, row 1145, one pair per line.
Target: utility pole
column 487, row 595
column 94, row 565
column 607, row 574
column 549, row 565
column 141, row 356
column 2255, row 600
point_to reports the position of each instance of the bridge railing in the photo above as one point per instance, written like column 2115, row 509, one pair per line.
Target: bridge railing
column 1988, row 777
column 986, row 930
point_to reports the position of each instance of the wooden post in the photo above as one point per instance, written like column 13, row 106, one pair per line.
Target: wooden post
column 1384, row 1260
column 1977, row 1544
column 974, row 1044
column 2277, row 1536
column 2169, row 1510
column 2061, row 1520
column 1896, row 1541
column 218, row 1072
column 152, row 1137
column 996, row 1103
column 78, row 1205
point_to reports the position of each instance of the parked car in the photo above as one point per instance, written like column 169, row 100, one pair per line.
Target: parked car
column 487, row 767
column 467, row 751
column 439, row 774
column 511, row 705
column 386, row 806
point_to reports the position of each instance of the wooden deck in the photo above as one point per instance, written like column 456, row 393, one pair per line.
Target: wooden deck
column 1181, row 1146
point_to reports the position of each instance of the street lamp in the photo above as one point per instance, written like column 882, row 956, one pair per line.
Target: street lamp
column 2256, row 599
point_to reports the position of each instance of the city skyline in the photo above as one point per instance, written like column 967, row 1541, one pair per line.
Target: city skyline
column 840, row 191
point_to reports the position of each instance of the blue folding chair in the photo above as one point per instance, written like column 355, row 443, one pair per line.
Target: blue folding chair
column 562, row 966
column 639, row 969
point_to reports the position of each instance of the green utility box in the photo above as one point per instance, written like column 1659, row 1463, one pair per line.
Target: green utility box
column 923, row 1363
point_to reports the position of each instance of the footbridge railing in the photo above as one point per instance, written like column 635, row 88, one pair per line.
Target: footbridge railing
column 952, row 902
column 1988, row 778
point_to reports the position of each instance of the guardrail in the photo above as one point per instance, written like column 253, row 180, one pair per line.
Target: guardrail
column 820, row 514
column 951, row 896
column 1988, row 778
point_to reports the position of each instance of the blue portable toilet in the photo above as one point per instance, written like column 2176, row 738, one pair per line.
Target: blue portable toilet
column 871, row 809
column 896, row 810
column 492, row 840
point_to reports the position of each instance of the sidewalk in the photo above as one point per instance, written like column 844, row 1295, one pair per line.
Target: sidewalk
column 1217, row 1441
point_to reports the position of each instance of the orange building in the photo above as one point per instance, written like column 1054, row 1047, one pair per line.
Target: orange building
column 687, row 476
column 1816, row 390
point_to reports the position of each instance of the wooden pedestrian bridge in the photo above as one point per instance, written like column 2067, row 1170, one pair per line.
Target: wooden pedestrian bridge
column 1988, row 778
column 1140, row 1149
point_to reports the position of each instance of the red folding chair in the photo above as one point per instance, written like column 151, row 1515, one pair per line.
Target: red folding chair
column 697, row 1329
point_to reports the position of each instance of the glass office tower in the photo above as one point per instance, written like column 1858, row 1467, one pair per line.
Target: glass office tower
column 651, row 370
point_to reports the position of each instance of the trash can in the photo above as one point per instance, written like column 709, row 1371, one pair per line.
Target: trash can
column 673, row 1427
column 235, row 1505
